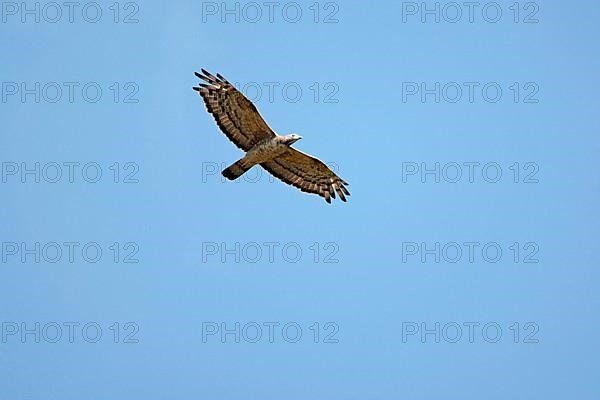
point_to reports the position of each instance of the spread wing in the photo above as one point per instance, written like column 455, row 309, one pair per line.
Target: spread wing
column 235, row 115
column 307, row 174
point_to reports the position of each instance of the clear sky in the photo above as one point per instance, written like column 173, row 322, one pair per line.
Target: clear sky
column 464, row 265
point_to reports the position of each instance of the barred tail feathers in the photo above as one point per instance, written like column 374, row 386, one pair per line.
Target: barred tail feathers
column 236, row 170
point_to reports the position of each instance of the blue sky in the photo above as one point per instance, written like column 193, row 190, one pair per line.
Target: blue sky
column 462, row 266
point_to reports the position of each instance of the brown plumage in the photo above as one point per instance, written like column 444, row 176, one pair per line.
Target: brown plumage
column 241, row 122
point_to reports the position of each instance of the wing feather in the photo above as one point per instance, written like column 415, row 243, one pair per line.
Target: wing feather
column 308, row 174
column 235, row 115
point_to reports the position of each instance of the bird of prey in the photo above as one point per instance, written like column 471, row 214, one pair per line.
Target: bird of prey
column 240, row 121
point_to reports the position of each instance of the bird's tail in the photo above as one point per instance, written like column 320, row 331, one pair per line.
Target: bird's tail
column 236, row 169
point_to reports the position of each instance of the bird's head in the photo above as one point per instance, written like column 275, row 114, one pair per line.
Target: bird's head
column 291, row 138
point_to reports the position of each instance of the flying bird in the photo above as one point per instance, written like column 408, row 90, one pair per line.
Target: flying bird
column 241, row 122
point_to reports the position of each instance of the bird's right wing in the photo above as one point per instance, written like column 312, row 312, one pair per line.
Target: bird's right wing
column 235, row 115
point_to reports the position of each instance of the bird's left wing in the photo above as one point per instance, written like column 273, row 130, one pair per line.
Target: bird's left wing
column 308, row 174
column 237, row 117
